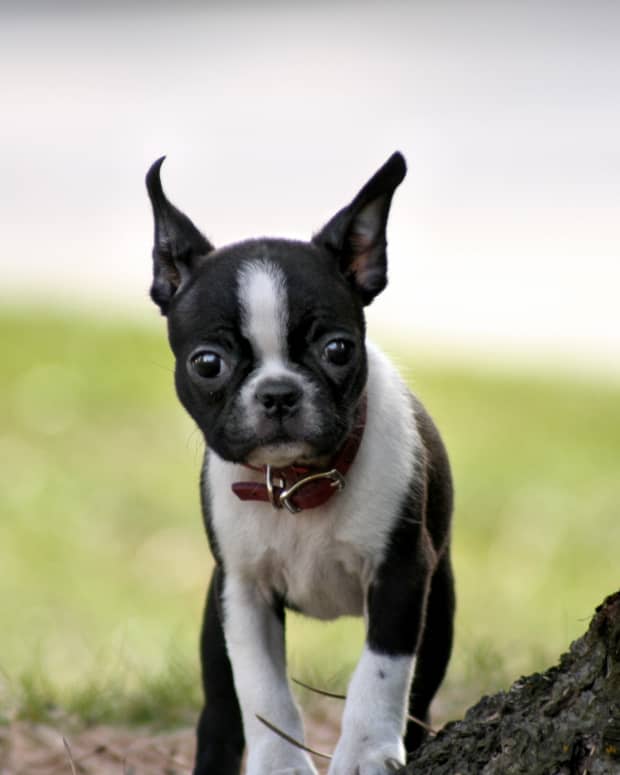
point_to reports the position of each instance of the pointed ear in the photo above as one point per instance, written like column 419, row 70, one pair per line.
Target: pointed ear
column 356, row 234
column 178, row 244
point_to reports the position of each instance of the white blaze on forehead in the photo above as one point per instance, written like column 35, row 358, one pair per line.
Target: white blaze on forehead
column 264, row 309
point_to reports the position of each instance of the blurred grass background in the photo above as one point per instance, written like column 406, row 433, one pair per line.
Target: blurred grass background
column 103, row 561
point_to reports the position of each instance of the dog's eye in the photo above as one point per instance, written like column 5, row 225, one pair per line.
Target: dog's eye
column 338, row 352
column 207, row 364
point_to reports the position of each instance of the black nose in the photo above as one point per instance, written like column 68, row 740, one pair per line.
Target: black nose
column 279, row 397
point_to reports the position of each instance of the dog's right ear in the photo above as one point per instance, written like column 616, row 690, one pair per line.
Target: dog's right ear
column 178, row 245
column 356, row 234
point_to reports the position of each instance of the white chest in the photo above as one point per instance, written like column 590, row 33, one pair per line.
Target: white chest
column 311, row 559
column 322, row 560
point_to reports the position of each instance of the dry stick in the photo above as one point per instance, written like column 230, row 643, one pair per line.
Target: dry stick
column 291, row 740
column 70, row 755
column 138, row 747
column 393, row 765
column 171, row 758
column 319, row 691
column 120, row 756
column 415, row 720
column 95, row 752
column 431, row 730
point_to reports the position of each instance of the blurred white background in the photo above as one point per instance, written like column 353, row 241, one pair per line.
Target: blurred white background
column 504, row 238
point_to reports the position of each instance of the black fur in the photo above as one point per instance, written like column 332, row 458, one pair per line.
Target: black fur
column 323, row 289
column 329, row 281
column 220, row 729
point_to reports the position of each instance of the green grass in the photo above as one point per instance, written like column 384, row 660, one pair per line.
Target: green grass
column 103, row 561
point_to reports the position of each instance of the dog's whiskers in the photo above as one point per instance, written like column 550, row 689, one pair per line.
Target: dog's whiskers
column 195, row 437
column 163, row 366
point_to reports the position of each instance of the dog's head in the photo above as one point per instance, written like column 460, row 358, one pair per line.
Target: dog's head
column 268, row 334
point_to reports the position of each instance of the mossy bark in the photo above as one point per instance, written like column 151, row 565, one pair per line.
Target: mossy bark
column 565, row 721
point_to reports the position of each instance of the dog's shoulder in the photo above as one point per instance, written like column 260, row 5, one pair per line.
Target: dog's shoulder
column 408, row 442
column 439, row 500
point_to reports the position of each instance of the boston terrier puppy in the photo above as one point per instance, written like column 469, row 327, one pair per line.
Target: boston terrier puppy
column 326, row 488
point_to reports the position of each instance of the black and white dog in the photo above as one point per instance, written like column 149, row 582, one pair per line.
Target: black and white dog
column 326, row 488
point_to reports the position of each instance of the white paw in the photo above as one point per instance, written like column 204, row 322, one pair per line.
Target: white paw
column 365, row 755
column 277, row 757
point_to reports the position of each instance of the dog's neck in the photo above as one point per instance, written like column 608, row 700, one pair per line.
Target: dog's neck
column 301, row 487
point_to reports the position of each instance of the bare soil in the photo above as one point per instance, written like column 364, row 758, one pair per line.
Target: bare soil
column 64, row 749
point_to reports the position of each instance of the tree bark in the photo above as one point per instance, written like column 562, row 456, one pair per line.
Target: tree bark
column 565, row 721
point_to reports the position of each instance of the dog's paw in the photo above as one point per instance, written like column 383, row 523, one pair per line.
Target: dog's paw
column 295, row 769
column 277, row 757
column 300, row 768
column 366, row 755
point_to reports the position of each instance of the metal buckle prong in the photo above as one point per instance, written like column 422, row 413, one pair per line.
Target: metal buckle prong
column 283, row 499
column 269, row 483
column 337, row 481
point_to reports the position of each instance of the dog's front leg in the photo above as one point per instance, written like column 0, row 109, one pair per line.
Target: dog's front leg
column 254, row 630
column 375, row 713
column 374, row 718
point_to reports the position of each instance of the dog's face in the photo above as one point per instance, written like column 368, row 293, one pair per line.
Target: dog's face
column 269, row 346
column 268, row 334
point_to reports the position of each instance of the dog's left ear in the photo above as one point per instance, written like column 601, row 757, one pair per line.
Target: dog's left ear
column 356, row 234
column 178, row 245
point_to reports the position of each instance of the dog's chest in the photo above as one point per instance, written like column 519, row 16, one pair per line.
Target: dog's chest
column 322, row 561
column 316, row 561
column 315, row 573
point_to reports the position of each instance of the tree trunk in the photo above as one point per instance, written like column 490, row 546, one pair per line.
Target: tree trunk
column 565, row 721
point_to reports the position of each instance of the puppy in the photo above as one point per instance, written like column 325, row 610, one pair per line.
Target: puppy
column 326, row 488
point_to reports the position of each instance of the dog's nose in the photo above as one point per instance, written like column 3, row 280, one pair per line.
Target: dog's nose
column 279, row 397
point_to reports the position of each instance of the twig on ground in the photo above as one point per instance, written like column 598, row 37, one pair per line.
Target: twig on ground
column 431, row 730
column 415, row 720
column 77, row 762
column 69, row 754
column 292, row 740
column 318, row 691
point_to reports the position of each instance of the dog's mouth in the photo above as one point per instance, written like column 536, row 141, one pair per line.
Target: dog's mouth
column 282, row 444
column 281, row 452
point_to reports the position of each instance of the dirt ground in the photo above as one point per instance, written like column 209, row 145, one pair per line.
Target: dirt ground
column 39, row 749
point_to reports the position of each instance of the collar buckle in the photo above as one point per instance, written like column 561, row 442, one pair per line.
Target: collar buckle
column 282, row 496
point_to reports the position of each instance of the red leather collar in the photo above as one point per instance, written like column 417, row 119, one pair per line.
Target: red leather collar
column 302, row 487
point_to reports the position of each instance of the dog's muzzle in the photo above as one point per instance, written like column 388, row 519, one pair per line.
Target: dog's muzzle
column 298, row 488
